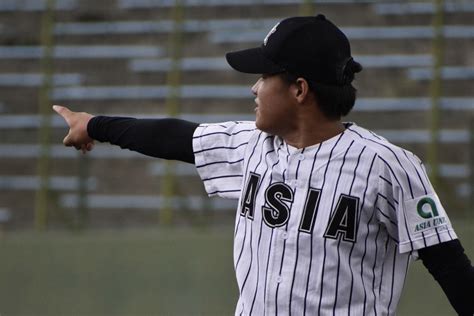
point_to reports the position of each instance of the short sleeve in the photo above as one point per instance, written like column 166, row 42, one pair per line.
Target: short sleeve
column 219, row 151
column 408, row 206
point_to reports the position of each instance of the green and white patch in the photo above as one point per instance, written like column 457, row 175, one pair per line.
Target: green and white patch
column 425, row 213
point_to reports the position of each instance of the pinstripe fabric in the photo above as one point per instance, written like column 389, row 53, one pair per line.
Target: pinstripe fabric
column 329, row 229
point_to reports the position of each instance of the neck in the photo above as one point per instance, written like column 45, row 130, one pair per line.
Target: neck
column 313, row 131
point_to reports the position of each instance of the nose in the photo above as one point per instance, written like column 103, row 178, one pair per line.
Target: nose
column 255, row 86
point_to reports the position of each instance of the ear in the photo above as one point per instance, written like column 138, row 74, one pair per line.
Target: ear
column 301, row 90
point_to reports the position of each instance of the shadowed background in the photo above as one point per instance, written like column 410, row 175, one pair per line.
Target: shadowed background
column 114, row 232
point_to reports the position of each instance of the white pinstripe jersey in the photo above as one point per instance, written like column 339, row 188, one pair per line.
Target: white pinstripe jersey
column 329, row 229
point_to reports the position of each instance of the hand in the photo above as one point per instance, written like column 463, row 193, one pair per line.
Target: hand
column 77, row 122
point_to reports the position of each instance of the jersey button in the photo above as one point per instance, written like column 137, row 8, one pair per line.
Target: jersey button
column 284, row 235
column 279, row 279
column 300, row 157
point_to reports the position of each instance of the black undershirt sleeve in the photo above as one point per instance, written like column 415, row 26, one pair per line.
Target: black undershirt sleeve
column 450, row 266
column 167, row 138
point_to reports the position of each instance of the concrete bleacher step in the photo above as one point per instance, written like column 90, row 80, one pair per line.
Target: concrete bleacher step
column 82, row 51
column 244, row 112
column 195, row 92
column 217, row 34
column 453, row 142
column 368, row 105
column 36, row 5
column 107, row 209
column 248, row 30
column 219, row 63
column 57, row 183
column 415, row 8
column 37, row 79
column 148, row 202
column 390, row 113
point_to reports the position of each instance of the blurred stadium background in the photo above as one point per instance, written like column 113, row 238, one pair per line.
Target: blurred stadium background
column 117, row 233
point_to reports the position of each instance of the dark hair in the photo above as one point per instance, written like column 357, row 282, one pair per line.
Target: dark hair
column 335, row 101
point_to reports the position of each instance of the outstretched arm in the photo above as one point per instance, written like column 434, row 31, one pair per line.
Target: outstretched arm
column 450, row 266
column 162, row 138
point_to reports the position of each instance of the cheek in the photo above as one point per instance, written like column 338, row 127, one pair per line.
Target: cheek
column 272, row 110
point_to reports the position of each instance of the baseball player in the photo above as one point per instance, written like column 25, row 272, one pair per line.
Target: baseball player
column 330, row 214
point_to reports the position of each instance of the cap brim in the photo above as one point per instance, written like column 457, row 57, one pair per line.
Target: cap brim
column 252, row 61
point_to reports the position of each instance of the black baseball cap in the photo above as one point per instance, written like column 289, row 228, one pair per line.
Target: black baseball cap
column 308, row 46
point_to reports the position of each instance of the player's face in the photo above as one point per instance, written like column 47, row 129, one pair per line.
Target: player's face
column 275, row 108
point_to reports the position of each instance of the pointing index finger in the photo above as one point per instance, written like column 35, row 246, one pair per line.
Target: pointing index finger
column 63, row 111
column 60, row 109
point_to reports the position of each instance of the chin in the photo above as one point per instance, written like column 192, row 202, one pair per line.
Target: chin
column 263, row 127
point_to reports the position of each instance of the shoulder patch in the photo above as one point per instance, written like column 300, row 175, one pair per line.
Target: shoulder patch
column 425, row 213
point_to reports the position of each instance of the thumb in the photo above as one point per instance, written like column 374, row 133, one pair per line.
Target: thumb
column 64, row 112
